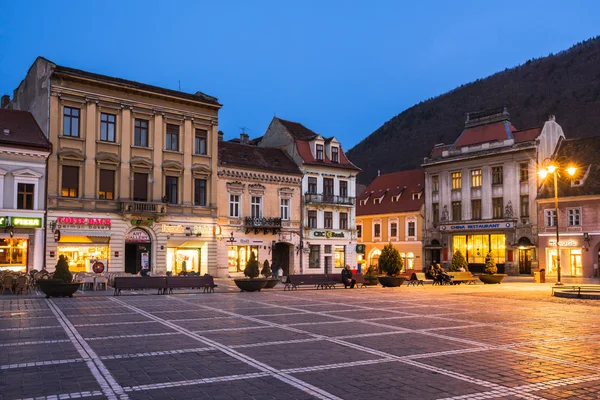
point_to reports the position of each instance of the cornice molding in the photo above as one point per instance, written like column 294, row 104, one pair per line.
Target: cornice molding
column 256, row 176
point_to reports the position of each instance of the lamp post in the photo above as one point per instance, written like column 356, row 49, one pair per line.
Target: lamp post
column 552, row 168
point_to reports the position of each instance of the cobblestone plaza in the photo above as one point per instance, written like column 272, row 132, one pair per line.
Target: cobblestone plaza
column 509, row 341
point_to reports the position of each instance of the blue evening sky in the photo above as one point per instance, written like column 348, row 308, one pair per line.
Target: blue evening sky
column 342, row 68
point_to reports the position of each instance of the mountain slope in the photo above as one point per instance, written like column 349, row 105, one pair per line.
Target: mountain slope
column 566, row 84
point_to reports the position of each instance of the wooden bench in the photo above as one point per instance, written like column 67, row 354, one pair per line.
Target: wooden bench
column 139, row 282
column 463, row 277
column 206, row 282
column 317, row 280
column 358, row 278
column 418, row 278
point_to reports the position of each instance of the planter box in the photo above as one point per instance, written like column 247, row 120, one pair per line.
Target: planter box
column 251, row 285
column 391, row 281
column 57, row 288
column 491, row 279
column 271, row 283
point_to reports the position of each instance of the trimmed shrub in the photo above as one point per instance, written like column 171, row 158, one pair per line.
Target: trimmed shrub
column 251, row 270
column 458, row 260
column 490, row 264
column 266, row 269
column 390, row 261
column 62, row 270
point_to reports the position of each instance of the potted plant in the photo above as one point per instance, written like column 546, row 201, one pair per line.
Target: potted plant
column 458, row 260
column 391, row 264
column 490, row 271
column 266, row 272
column 60, row 285
column 371, row 276
column 252, row 283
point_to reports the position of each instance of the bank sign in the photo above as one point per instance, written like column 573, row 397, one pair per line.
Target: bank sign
column 328, row 235
column 465, row 227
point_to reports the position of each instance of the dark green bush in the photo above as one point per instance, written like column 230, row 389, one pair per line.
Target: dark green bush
column 490, row 264
column 266, row 269
column 62, row 270
column 251, row 270
column 390, row 261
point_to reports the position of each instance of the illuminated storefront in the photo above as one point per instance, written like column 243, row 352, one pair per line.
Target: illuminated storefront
column 238, row 256
column 476, row 247
column 16, row 243
column 85, row 242
column 186, row 251
column 571, row 255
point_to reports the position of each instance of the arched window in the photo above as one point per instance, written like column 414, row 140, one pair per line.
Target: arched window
column 374, row 257
column 410, row 261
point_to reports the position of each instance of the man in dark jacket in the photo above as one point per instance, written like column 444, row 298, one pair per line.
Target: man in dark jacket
column 347, row 277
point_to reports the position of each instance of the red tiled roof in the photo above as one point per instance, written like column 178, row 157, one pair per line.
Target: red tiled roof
column 297, row 130
column 308, row 158
column 527, row 135
column 485, row 133
column 407, row 182
column 439, row 149
column 23, row 130
column 263, row 158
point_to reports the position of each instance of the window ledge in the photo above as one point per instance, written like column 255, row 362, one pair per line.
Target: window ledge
column 201, row 155
column 133, row 146
column 107, row 142
column 173, row 151
column 78, row 138
column 457, row 190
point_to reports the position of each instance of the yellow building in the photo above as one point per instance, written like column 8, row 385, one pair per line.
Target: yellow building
column 131, row 179
column 390, row 210
column 259, row 207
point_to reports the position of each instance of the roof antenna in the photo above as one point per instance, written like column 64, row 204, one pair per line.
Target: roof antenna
column 179, row 85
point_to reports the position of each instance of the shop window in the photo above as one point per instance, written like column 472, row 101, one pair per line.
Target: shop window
column 312, row 219
column 476, row 178
column 476, row 209
column 335, row 155
column 13, row 254
column 435, row 184
column 524, row 206
column 25, row 196
column 172, row 138
column 106, row 185
column 478, row 248
column 140, row 136
column 107, row 127
column 550, row 217
column 339, row 256
column 497, row 207
column 284, row 208
column 71, row 122
column 81, row 258
column 312, row 185
column 171, row 189
column 180, row 261
column 320, row 152
column 314, row 257
column 435, row 209
column 456, row 211
column 70, row 181
column 497, row 175
column 234, row 205
column 459, row 242
column 200, row 192
column 343, row 188
column 238, row 256
column 523, row 172
column 343, row 220
column 328, row 220
column 574, row 215
column 410, row 261
column 140, row 187
column 575, row 262
column 394, row 229
column 456, row 180
column 256, row 206
column 498, row 247
column 200, row 142
column 377, row 230
column 359, row 231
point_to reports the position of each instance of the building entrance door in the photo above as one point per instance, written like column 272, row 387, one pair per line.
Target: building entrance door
column 576, row 263
column 137, row 251
column 281, row 256
column 525, row 257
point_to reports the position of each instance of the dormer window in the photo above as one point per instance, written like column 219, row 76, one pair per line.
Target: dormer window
column 320, row 152
column 335, row 155
column 377, row 200
column 416, row 196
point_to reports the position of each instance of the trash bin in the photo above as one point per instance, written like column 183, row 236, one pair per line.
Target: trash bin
column 542, row 275
column 539, row 275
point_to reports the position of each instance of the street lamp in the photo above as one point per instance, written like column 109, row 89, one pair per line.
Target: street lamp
column 552, row 168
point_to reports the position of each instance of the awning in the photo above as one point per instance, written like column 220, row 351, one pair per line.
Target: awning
column 185, row 243
column 99, row 233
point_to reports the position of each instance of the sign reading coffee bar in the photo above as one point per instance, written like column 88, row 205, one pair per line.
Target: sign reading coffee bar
column 484, row 226
column 21, row 222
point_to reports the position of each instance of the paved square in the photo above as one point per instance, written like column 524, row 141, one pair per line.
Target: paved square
column 512, row 341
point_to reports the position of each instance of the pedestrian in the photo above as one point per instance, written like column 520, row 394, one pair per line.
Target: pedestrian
column 461, row 269
column 274, row 270
column 595, row 270
column 347, row 277
column 280, row 273
column 145, row 271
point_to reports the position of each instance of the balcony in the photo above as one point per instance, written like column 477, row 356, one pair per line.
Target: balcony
column 313, row 198
column 263, row 224
column 143, row 207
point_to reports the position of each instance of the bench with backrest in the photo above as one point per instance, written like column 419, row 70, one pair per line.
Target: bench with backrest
column 317, row 280
column 358, row 278
column 140, row 282
column 418, row 278
column 206, row 282
column 462, row 277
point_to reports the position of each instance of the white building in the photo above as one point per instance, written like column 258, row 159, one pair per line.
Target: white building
column 480, row 192
column 24, row 152
column 328, row 213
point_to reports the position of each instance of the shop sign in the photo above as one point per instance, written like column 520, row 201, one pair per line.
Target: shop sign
column 165, row 228
column 142, row 221
column 21, row 222
column 201, row 229
column 328, row 234
column 563, row 243
column 137, row 236
column 460, row 227
column 249, row 242
column 57, row 235
column 360, row 248
column 81, row 223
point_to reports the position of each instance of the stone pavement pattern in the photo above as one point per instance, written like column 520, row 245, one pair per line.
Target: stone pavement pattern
column 502, row 342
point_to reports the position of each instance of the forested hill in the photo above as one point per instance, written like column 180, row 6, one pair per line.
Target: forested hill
column 566, row 84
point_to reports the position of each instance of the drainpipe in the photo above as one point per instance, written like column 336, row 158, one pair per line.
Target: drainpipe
column 301, row 224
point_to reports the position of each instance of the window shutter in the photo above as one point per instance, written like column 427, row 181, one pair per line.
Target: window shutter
column 70, row 177
column 140, row 187
column 173, row 129
column 107, row 180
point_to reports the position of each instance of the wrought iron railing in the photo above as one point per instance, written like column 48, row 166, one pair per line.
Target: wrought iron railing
column 262, row 222
column 328, row 199
column 143, row 207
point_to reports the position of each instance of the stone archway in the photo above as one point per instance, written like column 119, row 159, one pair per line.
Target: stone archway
column 138, row 250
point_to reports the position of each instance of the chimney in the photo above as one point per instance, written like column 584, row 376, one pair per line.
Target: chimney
column 552, row 117
column 378, row 172
column 244, row 138
column 5, row 101
column 220, row 136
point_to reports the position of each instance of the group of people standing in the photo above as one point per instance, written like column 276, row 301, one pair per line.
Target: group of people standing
column 276, row 270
